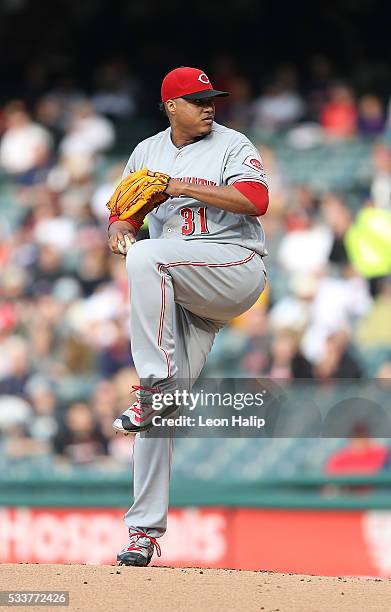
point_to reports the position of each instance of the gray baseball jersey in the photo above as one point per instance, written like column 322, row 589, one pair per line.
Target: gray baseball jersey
column 224, row 157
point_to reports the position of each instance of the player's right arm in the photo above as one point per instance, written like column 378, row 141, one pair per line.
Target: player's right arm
column 243, row 188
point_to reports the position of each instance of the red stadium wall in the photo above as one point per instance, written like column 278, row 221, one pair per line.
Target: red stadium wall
column 312, row 542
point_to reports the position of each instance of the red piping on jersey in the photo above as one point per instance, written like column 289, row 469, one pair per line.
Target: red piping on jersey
column 135, row 224
column 208, row 265
column 256, row 192
column 163, row 292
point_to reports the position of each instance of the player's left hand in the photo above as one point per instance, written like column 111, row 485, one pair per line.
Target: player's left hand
column 138, row 194
column 174, row 188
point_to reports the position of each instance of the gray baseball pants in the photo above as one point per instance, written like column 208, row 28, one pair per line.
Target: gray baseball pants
column 182, row 292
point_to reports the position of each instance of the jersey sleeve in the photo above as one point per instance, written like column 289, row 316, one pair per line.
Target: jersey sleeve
column 244, row 163
column 256, row 192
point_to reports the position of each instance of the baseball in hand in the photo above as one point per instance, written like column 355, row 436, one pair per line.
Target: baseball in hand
column 128, row 243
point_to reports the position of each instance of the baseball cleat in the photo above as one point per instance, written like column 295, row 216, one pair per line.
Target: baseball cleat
column 139, row 416
column 139, row 550
column 134, row 419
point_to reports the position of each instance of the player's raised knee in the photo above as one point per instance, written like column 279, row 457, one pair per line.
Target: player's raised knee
column 140, row 259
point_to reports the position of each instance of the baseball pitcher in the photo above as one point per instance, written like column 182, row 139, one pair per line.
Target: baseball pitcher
column 204, row 189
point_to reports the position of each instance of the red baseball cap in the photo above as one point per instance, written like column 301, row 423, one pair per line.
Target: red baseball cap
column 188, row 83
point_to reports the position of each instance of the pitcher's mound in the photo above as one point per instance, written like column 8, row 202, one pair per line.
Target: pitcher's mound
column 165, row 589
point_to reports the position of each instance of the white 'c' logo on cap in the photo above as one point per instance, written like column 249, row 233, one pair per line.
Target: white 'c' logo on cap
column 203, row 78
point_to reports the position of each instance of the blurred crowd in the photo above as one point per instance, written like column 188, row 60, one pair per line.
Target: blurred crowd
column 65, row 361
column 324, row 104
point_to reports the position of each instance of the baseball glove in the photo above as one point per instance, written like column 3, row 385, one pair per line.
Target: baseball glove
column 138, row 194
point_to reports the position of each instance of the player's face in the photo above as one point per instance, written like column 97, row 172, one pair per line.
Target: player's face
column 195, row 116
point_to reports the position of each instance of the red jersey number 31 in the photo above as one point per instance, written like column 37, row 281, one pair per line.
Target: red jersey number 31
column 189, row 224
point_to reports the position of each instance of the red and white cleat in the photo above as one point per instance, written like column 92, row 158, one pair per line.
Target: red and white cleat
column 139, row 416
column 139, row 551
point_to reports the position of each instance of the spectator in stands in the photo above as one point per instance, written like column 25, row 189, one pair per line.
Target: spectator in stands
column 374, row 329
column 48, row 113
column 381, row 181
column 20, row 447
column 43, row 347
column 48, row 267
column 115, row 90
column 105, row 406
column 17, row 370
column 368, row 245
column 104, row 400
column 223, row 73
column 339, row 218
column 293, row 310
column 62, row 98
column 279, row 188
column 336, row 304
column 25, row 147
column 339, row 115
column 302, row 207
column 92, row 266
column 320, row 75
column 336, row 360
column 88, row 133
column 77, row 356
column 43, row 425
column 280, row 105
column 371, row 115
column 115, row 355
column 237, row 113
column 286, row 360
column 80, row 441
column 15, row 413
column 361, row 455
column 311, row 243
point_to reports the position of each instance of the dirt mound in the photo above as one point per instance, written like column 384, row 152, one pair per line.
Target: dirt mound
column 165, row 589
